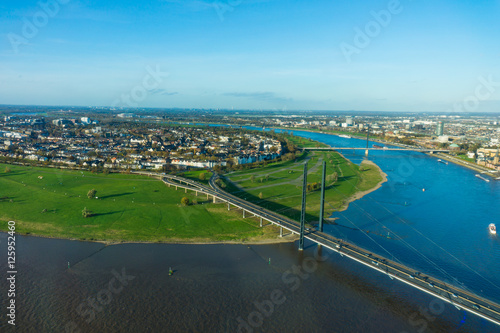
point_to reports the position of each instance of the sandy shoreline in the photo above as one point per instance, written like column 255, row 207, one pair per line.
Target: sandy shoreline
column 277, row 240
column 359, row 195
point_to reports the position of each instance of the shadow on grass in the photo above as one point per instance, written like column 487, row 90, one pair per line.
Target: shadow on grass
column 287, row 211
column 12, row 173
column 115, row 195
column 108, row 213
column 345, row 178
column 11, row 199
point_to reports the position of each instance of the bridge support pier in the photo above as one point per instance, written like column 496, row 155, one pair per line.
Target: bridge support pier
column 281, row 231
column 243, row 213
column 366, row 152
column 207, row 196
column 185, row 190
column 261, row 222
column 196, row 193
column 176, row 188
column 228, row 206
column 215, row 200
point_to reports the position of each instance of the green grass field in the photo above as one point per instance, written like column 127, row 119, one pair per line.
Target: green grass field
column 128, row 208
column 280, row 184
column 465, row 158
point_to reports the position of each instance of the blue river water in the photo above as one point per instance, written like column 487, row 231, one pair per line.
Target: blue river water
column 429, row 215
column 441, row 231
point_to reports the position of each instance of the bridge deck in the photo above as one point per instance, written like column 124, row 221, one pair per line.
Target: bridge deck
column 380, row 149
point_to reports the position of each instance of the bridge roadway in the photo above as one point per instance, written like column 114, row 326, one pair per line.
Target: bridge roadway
column 423, row 150
column 460, row 298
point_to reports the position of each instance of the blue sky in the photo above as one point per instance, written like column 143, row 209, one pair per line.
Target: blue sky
column 253, row 54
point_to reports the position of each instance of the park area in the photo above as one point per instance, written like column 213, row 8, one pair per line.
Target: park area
column 125, row 207
column 278, row 186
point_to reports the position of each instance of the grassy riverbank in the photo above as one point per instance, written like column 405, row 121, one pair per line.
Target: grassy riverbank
column 49, row 202
column 278, row 187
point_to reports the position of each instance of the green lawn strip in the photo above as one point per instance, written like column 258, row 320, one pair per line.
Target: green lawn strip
column 305, row 142
column 465, row 158
column 128, row 208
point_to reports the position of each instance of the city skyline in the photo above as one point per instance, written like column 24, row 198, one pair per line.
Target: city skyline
column 381, row 56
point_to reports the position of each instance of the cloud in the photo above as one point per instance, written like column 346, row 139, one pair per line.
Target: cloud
column 161, row 92
column 261, row 96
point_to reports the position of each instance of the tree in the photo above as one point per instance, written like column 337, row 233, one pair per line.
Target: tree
column 261, row 195
column 252, row 178
column 86, row 213
column 7, row 170
column 203, row 176
column 91, row 194
column 185, row 201
column 332, row 178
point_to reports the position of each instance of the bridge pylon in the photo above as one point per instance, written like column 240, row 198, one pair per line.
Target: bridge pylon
column 303, row 211
column 322, row 198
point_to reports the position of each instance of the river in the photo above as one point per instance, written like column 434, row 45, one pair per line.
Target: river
column 429, row 215
column 270, row 288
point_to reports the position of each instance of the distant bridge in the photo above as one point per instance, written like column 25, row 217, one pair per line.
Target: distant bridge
column 423, row 150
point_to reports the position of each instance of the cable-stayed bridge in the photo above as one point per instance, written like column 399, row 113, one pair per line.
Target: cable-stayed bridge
column 457, row 296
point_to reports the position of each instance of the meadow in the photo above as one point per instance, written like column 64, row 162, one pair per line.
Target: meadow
column 126, row 207
column 278, row 186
